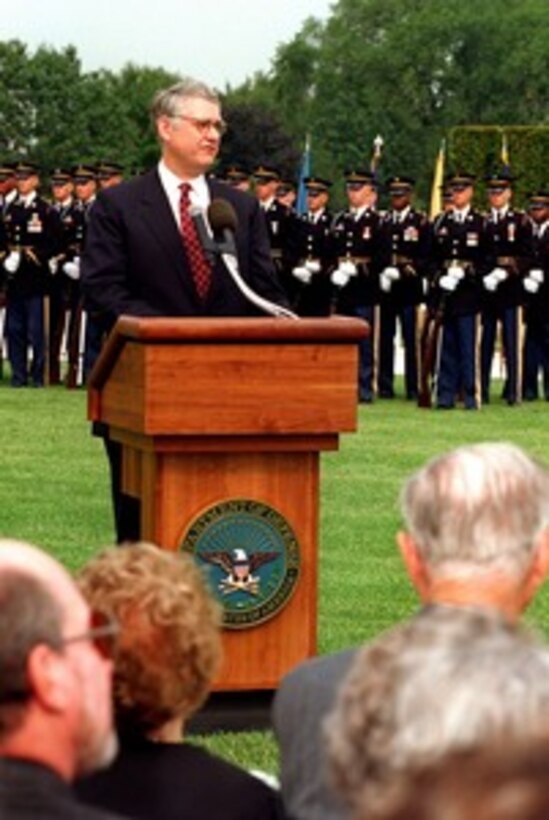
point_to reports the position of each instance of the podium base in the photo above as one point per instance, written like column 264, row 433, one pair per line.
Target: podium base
column 240, row 711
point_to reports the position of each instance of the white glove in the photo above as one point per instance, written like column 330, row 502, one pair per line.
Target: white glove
column 537, row 275
column 385, row 282
column 53, row 265
column 302, row 273
column 448, row 282
column 499, row 274
column 348, row 267
column 312, row 265
column 12, row 261
column 72, row 269
column 391, row 273
column 530, row 285
column 339, row 277
column 456, row 272
column 490, row 282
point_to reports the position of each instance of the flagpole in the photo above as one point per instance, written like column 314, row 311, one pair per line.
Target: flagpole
column 438, row 179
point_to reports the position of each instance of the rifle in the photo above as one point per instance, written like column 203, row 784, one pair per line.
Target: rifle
column 428, row 346
column 73, row 345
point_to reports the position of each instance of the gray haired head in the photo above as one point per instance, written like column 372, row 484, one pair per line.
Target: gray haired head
column 449, row 681
column 480, row 504
column 168, row 102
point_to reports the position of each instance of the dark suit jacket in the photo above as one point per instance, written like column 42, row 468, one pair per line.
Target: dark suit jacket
column 134, row 260
column 179, row 781
column 29, row 791
column 304, row 698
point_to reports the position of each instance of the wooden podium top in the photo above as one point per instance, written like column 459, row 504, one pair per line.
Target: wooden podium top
column 189, row 376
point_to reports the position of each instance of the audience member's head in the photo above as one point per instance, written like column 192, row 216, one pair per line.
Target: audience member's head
column 506, row 782
column 477, row 527
column 169, row 644
column 55, row 683
column 457, row 679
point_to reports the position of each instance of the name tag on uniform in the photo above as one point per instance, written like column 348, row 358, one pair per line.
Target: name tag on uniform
column 274, row 228
column 511, row 232
column 367, row 232
column 472, row 240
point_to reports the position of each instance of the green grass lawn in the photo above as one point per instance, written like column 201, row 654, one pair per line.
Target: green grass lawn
column 54, row 492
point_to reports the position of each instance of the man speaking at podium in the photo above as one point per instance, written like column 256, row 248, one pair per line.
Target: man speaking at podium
column 144, row 253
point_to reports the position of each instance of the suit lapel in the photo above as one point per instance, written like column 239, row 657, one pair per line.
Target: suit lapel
column 159, row 221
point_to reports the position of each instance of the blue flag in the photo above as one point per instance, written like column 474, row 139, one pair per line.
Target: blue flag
column 305, row 171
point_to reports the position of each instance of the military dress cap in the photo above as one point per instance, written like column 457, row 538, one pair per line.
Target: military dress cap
column 235, row 173
column 60, row 176
column 499, row 180
column 538, row 199
column 266, row 173
column 24, row 168
column 317, row 184
column 7, row 170
column 107, row 169
column 359, row 176
column 84, row 173
column 285, row 186
column 399, row 185
column 458, row 180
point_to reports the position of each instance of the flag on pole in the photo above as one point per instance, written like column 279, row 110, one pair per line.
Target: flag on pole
column 506, row 165
column 304, row 172
column 438, row 179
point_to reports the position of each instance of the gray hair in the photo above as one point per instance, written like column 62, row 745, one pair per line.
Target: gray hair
column 480, row 504
column 451, row 680
column 29, row 615
column 167, row 102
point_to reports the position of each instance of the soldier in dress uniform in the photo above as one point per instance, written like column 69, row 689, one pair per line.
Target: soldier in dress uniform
column 536, row 288
column 404, row 247
column 506, row 248
column 279, row 224
column 355, row 278
column 32, row 232
column 64, row 295
column 458, row 253
column 109, row 173
column 312, row 251
column 85, row 187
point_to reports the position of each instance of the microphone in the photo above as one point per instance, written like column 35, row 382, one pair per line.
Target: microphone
column 209, row 246
column 224, row 221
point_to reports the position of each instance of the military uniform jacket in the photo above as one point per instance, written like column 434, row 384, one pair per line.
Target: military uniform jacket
column 537, row 304
column 461, row 243
column 312, row 240
column 279, row 225
column 405, row 243
column 507, row 247
column 356, row 239
column 35, row 231
column 72, row 227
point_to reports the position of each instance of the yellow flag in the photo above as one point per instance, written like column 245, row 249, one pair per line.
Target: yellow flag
column 438, row 178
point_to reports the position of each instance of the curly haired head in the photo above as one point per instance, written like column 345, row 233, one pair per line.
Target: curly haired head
column 169, row 646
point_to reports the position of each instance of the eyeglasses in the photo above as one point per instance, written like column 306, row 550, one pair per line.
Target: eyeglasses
column 203, row 126
column 103, row 633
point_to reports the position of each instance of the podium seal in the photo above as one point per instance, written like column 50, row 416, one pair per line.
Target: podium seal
column 251, row 557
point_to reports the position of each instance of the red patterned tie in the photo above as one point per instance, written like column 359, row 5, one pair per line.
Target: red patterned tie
column 199, row 265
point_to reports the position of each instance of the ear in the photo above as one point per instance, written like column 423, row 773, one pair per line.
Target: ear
column 49, row 678
column 164, row 128
column 414, row 563
column 539, row 567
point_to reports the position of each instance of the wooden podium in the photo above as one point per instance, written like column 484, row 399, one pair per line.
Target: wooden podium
column 212, row 410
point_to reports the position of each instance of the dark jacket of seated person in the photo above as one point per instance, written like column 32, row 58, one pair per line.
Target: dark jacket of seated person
column 167, row 655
